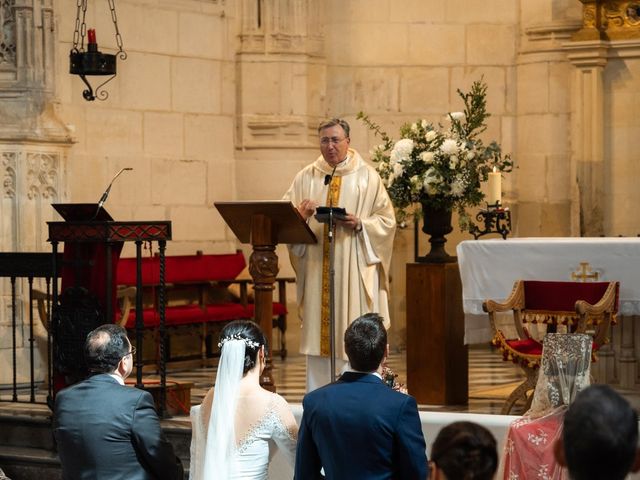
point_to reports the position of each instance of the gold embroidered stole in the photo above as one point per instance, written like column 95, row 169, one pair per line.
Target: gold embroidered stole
column 333, row 196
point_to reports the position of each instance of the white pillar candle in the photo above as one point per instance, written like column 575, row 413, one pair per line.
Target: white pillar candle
column 495, row 187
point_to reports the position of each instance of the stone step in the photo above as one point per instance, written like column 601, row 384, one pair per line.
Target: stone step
column 27, row 449
column 32, row 431
column 24, row 463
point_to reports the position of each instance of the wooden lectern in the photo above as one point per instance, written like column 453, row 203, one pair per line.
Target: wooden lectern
column 264, row 224
column 92, row 243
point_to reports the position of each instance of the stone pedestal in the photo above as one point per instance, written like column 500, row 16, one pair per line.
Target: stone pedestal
column 437, row 358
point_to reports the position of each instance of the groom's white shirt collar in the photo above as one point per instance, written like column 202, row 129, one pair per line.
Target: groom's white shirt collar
column 119, row 378
column 377, row 374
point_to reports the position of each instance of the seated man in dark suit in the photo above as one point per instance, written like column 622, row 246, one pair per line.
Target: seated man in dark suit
column 107, row 430
column 358, row 427
column 600, row 436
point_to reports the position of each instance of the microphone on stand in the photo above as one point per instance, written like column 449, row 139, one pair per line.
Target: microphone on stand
column 105, row 195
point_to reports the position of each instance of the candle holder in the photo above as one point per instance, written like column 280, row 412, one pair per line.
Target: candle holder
column 495, row 218
column 92, row 62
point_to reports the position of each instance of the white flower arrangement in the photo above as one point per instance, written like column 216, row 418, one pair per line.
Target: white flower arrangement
column 440, row 167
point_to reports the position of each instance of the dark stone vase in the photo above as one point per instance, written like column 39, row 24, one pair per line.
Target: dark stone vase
column 437, row 224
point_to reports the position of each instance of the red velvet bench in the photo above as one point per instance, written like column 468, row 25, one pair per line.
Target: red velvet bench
column 198, row 302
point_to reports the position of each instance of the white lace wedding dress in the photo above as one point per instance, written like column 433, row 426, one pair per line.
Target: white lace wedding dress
column 261, row 423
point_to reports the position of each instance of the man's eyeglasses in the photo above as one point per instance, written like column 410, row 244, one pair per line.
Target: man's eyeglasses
column 324, row 141
column 132, row 352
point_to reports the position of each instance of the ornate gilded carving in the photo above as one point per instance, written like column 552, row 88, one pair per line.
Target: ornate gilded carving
column 589, row 16
column 42, row 175
column 622, row 19
column 609, row 20
column 7, row 33
column 9, row 174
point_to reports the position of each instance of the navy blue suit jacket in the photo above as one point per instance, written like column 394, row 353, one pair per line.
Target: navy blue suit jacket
column 106, row 431
column 359, row 428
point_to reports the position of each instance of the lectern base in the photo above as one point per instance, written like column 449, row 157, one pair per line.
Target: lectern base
column 437, row 358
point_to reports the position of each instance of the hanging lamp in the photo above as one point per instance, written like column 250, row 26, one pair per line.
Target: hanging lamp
column 92, row 62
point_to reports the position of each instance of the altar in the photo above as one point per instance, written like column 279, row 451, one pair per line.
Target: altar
column 488, row 269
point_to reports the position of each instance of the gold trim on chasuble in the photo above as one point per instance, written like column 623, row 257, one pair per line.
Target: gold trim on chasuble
column 333, row 196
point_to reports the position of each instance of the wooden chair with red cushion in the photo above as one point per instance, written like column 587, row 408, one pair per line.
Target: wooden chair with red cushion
column 574, row 307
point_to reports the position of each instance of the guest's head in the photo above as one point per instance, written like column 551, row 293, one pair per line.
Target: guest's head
column 365, row 342
column 108, row 350
column 464, row 451
column 253, row 338
column 600, row 436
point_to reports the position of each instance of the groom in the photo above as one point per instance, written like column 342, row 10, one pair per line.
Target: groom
column 358, row 427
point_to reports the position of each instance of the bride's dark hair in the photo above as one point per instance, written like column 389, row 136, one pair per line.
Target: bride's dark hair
column 249, row 331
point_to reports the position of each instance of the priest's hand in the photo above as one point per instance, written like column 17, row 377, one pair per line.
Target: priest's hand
column 307, row 208
column 350, row 222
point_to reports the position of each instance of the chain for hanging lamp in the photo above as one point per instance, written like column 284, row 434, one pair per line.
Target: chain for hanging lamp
column 91, row 61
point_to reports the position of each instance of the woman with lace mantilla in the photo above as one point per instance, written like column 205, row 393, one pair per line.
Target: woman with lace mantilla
column 235, row 428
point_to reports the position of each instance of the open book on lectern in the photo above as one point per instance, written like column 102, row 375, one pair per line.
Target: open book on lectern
column 82, row 212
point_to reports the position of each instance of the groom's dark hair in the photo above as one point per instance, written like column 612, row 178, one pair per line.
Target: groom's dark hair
column 365, row 342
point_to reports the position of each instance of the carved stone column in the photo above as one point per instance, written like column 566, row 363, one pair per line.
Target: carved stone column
column 610, row 30
column 590, row 58
column 33, row 151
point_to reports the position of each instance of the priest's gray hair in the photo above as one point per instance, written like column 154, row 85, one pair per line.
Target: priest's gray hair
column 333, row 122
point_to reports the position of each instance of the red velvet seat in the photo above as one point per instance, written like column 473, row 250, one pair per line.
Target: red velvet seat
column 579, row 307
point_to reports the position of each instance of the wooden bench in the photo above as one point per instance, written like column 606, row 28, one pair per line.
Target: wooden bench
column 198, row 302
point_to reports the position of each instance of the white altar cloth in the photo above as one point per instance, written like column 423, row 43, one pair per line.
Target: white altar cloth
column 488, row 269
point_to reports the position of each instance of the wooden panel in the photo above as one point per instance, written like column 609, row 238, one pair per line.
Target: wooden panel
column 437, row 360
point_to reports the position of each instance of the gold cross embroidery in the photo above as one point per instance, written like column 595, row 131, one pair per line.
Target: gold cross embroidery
column 584, row 273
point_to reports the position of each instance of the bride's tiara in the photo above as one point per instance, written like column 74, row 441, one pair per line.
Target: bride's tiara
column 237, row 336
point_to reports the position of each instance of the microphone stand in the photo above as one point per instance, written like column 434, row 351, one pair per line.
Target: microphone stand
column 105, row 195
column 332, row 303
column 332, row 274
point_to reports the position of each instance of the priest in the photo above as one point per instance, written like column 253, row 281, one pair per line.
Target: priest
column 363, row 244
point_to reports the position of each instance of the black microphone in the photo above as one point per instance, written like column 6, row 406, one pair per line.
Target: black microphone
column 328, row 178
column 105, row 195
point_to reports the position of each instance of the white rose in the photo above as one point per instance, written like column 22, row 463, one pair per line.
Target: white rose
column 453, row 162
column 430, row 136
column 427, row 157
column 414, row 127
column 460, row 116
column 424, row 123
column 471, row 155
column 449, row 147
column 402, row 149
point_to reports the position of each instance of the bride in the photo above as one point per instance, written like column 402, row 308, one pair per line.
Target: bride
column 235, row 428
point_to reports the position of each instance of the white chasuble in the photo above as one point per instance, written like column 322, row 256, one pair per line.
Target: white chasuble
column 362, row 259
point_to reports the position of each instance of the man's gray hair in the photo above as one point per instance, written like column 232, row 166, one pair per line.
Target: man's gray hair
column 333, row 122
